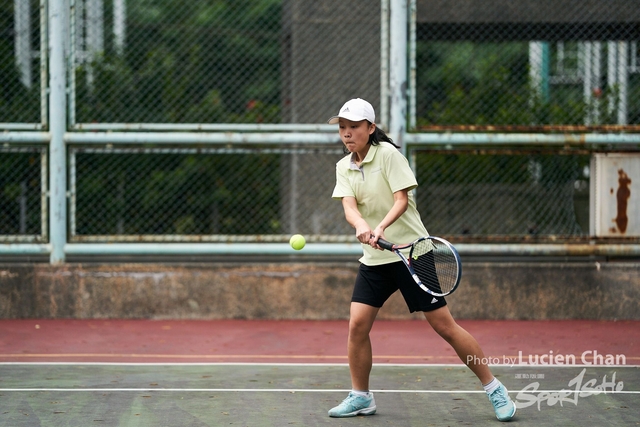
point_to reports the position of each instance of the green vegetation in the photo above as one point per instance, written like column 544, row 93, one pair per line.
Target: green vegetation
column 193, row 62
column 467, row 83
column 517, row 194
column 18, row 103
column 220, row 61
column 177, row 193
column 20, row 191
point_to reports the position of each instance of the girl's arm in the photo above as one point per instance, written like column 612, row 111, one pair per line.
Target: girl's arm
column 364, row 234
column 354, row 218
column 400, row 204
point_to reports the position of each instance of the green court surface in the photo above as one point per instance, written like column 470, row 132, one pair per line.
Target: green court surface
column 194, row 395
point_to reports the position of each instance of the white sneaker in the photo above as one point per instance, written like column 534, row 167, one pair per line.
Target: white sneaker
column 354, row 405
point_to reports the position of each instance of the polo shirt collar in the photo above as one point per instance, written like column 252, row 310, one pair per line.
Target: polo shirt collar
column 367, row 159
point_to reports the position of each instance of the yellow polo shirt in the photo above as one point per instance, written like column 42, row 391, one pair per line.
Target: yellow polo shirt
column 383, row 172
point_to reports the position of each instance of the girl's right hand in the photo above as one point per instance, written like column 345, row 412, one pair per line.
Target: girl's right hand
column 363, row 232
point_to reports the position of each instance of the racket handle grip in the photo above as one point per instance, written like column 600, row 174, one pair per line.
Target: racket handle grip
column 384, row 244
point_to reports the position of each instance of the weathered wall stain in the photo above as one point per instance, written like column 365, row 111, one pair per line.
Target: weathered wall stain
column 622, row 197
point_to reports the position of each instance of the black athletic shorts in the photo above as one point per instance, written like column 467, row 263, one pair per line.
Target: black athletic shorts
column 376, row 283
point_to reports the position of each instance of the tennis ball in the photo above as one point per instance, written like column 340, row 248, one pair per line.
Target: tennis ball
column 297, row 242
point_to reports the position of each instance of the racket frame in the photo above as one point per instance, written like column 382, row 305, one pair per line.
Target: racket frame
column 384, row 244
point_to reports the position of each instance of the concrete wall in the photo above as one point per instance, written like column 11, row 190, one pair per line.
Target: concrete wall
column 308, row 291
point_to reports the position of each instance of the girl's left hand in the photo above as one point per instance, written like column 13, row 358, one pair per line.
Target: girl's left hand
column 373, row 240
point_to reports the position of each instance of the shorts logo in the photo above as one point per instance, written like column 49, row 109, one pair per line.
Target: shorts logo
column 434, row 300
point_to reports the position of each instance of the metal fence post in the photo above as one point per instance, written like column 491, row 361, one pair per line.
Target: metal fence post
column 57, row 123
column 398, row 71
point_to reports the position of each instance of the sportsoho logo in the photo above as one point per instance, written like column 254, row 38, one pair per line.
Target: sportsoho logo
column 577, row 387
column 532, row 395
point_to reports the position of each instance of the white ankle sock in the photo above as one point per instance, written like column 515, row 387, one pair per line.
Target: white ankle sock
column 360, row 393
column 491, row 386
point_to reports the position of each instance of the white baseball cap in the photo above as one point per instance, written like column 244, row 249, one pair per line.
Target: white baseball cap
column 356, row 109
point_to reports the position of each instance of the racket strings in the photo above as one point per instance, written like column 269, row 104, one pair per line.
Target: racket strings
column 435, row 265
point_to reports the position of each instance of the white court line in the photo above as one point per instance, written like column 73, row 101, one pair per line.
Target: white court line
column 279, row 390
column 221, row 390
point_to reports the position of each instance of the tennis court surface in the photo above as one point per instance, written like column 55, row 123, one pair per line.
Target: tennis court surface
column 289, row 373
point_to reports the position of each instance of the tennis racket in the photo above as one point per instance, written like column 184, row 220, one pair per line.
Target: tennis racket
column 433, row 262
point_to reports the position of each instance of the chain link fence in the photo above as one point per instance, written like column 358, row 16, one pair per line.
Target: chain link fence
column 22, row 64
column 504, row 195
column 509, row 66
column 23, row 179
column 267, row 194
column 227, row 62
column 522, row 65
column 231, row 194
column 177, row 62
column 500, row 65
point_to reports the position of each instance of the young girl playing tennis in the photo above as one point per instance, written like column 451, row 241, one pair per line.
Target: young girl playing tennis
column 375, row 182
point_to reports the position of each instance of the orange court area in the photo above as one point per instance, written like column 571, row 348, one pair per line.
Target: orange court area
column 302, row 341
